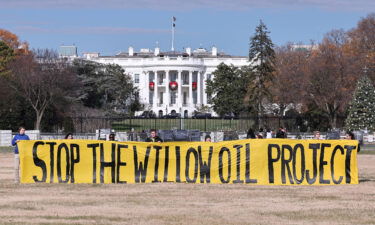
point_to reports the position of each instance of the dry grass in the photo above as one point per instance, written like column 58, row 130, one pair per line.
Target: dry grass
column 186, row 203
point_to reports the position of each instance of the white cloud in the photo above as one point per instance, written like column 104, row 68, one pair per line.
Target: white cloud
column 182, row 5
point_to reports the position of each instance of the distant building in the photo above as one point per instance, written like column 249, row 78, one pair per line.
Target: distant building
column 300, row 47
column 171, row 81
column 68, row 51
column 90, row 55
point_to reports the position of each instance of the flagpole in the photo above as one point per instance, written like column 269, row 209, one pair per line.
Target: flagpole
column 173, row 33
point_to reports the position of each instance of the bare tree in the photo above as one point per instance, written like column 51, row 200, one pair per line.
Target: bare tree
column 330, row 81
column 290, row 75
column 42, row 79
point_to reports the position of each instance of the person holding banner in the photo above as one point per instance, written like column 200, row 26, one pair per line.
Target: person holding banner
column 17, row 138
column 207, row 138
column 111, row 137
column 350, row 136
column 154, row 137
column 69, row 136
column 317, row 135
column 281, row 133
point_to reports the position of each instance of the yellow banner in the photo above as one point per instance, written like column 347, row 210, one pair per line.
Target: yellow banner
column 260, row 161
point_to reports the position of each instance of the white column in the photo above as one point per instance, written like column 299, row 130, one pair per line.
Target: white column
column 204, row 89
column 190, row 88
column 147, row 73
column 199, row 81
column 155, row 103
column 167, row 88
column 179, row 89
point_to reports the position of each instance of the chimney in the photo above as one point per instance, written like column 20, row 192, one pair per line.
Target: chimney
column 157, row 51
column 188, row 51
column 131, row 51
column 214, row 51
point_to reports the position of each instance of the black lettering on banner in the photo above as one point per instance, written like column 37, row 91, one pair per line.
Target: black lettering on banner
column 247, row 171
column 323, row 163
column 271, row 174
column 187, row 169
column 338, row 147
column 285, row 163
column 156, row 168
column 111, row 164
column 349, row 149
column 141, row 169
column 166, row 164
column 93, row 146
column 221, row 166
column 59, row 149
column 302, row 149
column 311, row 180
column 120, row 163
column 39, row 162
column 73, row 160
column 178, row 164
column 204, row 167
column 52, row 160
column 238, row 164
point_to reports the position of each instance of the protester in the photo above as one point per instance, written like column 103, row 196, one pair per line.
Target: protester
column 111, row 137
column 281, row 133
column 17, row 138
column 207, row 138
column 317, row 135
column 269, row 133
column 350, row 136
column 69, row 136
column 259, row 136
column 154, row 137
column 250, row 134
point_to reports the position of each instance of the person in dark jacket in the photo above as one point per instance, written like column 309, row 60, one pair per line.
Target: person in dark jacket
column 281, row 133
column 350, row 136
column 250, row 134
column 154, row 137
column 17, row 138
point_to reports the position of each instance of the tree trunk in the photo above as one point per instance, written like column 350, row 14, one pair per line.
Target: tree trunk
column 38, row 121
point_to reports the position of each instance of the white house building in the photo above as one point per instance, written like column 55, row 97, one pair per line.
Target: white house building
column 171, row 82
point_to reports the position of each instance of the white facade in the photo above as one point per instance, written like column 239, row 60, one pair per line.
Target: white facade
column 189, row 69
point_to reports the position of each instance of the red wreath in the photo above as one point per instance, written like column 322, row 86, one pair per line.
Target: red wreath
column 173, row 85
column 151, row 85
column 195, row 85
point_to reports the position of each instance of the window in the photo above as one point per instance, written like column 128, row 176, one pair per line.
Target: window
column 185, row 78
column 208, row 76
column 173, row 97
column 185, row 98
column 136, row 78
column 161, row 98
column 151, row 98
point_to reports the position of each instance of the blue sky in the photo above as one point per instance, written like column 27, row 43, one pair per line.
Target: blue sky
column 113, row 25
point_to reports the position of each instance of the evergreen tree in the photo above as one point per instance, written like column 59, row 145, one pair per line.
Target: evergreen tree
column 107, row 87
column 228, row 89
column 262, row 57
column 362, row 108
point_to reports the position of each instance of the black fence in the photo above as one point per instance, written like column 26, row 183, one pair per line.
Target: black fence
column 292, row 124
